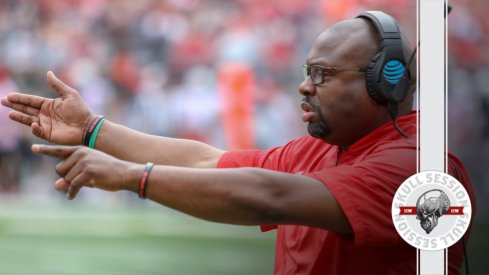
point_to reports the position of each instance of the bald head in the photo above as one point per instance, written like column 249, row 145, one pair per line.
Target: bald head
column 361, row 37
column 355, row 40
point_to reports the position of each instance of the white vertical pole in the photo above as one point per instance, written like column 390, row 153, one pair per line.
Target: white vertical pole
column 432, row 107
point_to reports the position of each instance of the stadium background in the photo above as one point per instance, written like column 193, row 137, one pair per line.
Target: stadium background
column 166, row 68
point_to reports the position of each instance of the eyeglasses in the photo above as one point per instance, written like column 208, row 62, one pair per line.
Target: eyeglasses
column 317, row 72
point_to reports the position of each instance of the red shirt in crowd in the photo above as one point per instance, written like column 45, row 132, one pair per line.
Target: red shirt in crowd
column 363, row 179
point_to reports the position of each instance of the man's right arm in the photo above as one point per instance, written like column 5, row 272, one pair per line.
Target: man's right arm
column 65, row 120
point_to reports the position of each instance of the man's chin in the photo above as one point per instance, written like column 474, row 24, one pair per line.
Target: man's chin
column 318, row 130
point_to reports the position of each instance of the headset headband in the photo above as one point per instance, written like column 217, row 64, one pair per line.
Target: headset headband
column 386, row 25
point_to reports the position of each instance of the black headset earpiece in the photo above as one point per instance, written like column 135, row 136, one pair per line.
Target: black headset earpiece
column 386, row 79
column 372, row 87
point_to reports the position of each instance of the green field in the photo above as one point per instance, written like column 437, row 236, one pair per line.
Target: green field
column 143, row 238
column 70, row 239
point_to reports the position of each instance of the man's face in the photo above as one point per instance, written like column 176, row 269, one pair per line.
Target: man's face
column 339, row 110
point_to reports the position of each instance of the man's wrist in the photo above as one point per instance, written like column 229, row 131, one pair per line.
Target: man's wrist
column 89, row 120
column 87, row 124
column 133, row 177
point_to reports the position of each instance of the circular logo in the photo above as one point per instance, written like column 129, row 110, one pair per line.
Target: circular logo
column 393, row 71
column 431, row 210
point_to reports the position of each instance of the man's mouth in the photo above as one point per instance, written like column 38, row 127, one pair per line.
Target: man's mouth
column 309, row 113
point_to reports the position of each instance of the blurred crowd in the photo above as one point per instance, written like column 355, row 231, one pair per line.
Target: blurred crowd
column 174, row 67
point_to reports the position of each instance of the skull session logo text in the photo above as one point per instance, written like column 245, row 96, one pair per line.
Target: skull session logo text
column 431, row 210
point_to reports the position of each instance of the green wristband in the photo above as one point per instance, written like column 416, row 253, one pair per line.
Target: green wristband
column 93, row 138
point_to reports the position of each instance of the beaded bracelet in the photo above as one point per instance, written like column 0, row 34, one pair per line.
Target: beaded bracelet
column 143, row 183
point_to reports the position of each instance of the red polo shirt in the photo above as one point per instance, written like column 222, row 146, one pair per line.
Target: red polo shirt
column 363, row 179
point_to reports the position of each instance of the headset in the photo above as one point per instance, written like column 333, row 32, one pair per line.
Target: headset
column 386, row 68
column 387, row 76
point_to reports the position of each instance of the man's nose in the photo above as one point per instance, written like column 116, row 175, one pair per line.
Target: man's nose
column 307, row 88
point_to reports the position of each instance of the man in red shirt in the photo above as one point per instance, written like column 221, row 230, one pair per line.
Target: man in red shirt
column 328, row 194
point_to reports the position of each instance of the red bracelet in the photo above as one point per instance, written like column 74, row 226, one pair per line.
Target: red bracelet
column 143, row 183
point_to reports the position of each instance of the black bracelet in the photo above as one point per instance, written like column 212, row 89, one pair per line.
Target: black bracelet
column 88, row 135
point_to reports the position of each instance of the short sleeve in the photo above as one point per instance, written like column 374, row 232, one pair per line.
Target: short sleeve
column 276, row 158
column 240, row 158
column 365, row 191
column 267, row 159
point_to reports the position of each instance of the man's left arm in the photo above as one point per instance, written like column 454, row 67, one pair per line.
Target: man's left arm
column 245, row 196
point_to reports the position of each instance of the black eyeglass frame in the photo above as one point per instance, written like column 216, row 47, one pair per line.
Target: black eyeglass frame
column 327, row 70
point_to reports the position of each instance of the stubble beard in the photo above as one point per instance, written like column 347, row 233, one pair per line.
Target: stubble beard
column 318, row 129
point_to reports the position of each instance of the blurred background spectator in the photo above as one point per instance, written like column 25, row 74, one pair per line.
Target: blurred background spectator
column 168, row 67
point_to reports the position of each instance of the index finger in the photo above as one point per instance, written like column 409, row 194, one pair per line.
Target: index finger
column 24, row 99
column 59, row 151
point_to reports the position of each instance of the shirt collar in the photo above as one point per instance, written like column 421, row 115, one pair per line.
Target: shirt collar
column 386, row 132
